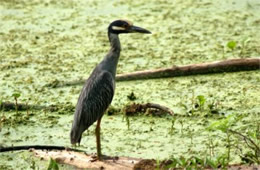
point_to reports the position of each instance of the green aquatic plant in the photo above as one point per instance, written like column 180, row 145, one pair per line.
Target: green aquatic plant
column 195, row 162
column 131, row 96
column 26, row 106
column 182, row 124
column 127, row 119
column 232, row 45
column 158, row 162
column 2, row 117
column 243, row 46
column 225, row 125
column 211, row 146
column 202, row 101
column 200, row 105
column 16, row 95
column 53, row 165
column 172, row 126
column 252, row 141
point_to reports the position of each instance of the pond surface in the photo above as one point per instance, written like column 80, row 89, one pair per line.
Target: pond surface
column 43, row 42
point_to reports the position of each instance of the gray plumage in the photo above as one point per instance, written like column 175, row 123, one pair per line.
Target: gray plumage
column 98, row 91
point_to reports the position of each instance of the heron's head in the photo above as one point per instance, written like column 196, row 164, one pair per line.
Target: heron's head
column 124, row 26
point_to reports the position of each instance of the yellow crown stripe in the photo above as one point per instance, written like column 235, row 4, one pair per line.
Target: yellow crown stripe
column 118, row 28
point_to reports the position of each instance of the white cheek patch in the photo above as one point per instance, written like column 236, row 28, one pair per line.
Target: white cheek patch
column 118, row 28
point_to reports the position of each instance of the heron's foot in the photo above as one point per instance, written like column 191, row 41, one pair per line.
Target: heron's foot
column 95, row 157
column 75, row 145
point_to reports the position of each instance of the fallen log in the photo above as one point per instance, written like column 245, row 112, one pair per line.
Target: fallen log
column 231, row 65
column 83, row 160
column 75, row 157
column 79, row 159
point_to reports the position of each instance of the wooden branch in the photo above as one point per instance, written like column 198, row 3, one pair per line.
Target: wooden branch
column 138, row 108
column 231, row 65
column 28, row 147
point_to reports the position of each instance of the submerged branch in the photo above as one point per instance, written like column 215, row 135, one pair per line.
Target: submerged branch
column 246, row 139
column 20, row 106
column 137, row 108
column 23, row 107
column 45, row 147
column 159, row 107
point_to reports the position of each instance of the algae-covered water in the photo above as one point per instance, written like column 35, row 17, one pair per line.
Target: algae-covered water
column 47, row 41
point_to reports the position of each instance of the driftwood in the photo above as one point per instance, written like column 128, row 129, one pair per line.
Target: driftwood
column 138, row 108
column 82, row 160
column 231, row 65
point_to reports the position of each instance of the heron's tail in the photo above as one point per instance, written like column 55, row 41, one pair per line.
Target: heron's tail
column 75, row 135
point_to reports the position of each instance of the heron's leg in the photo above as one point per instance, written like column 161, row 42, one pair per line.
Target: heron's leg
column 98, row 139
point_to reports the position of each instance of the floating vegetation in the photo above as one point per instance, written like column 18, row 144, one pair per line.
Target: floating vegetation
column 44, row 43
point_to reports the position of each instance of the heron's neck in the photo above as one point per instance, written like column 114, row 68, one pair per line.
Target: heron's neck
column 114, row 42
column 111, row 59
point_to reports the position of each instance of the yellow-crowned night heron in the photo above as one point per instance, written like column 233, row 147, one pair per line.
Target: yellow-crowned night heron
column 98, row 91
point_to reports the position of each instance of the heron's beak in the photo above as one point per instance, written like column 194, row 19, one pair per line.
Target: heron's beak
column 133, row 29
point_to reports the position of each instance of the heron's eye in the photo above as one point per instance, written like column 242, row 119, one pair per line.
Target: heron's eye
column 125, row 26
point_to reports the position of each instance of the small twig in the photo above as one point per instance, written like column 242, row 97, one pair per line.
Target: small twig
column 247, row 139
column 135, row 108
column 16, row 105
column 27, row 147
column 27, row 109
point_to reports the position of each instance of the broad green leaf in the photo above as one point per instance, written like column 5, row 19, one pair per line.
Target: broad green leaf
column 53, row 165
column 224, row 124
column 231, row 45
column 211, row 163
column 16, row 94
column 201, row 100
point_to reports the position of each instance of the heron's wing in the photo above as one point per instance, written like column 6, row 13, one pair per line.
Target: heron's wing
column 94, row 99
